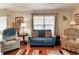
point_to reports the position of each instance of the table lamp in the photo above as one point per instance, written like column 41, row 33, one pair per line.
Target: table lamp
column 23, row 25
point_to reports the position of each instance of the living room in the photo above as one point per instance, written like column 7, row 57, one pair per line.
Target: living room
column 23, row 17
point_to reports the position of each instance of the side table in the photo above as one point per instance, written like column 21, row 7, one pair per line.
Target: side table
column 23, row 35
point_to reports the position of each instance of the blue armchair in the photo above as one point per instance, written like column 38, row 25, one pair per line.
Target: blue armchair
column 41, row 40
column 10, row 40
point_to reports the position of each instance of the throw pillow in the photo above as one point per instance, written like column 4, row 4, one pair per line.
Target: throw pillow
column 34, row 34
column 48, row 34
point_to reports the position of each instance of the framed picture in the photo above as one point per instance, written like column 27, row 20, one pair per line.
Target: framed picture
column 18, row 21
column 76, row 17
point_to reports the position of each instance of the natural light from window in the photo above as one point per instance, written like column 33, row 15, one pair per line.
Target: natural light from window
column 3, row 23
column 44, row 23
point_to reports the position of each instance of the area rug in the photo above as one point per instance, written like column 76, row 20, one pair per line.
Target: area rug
column 54, row 52
column 64, row 52
column 35, row 52
column 20, row 52
column 50, row 52
column 46, row 52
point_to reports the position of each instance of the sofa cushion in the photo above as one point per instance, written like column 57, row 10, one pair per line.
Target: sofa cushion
column 70, row 43
column 47, row 40
column 34, row 34
column 41, row 33
column 47, row 34
column 9, row 32
column 10, row 38
column 36, row 40
column 10, row 42
column 70, row 37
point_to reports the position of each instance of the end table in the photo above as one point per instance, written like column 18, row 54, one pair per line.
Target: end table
column 23, row 35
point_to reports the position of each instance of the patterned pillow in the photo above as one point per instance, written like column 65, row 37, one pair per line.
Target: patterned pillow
column 48, row 34
column 34, row 34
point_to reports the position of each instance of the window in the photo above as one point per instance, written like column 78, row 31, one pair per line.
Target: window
column 3, row 23
column 38, row 22
column 44, row 23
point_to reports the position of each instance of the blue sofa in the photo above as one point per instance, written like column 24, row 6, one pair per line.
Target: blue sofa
column 41, row 40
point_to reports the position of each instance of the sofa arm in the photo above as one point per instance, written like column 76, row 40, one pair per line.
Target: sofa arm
column 54, row 40
column 3, row 41
column 17, row 38
column 30, row 39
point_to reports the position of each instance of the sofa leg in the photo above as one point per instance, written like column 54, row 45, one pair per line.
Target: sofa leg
column 53, row 45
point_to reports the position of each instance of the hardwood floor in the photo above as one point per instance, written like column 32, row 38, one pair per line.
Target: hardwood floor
column 22, row 50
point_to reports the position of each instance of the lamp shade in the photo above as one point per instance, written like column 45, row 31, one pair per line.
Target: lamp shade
column 72, row 22
column 23, row 25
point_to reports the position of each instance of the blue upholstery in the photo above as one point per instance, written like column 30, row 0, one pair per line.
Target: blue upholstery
column 40, row 33
column 9, row 33
column 41, row 40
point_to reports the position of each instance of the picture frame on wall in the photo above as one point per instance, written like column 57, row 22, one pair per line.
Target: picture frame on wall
column 76, row 17
column 18, row 21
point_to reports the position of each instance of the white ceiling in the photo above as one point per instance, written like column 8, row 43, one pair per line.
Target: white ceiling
column 36, row 6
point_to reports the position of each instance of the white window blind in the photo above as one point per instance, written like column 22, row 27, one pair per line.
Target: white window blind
column 3, row 23
column 38, row 22
column 50, row 23
column 44, row 23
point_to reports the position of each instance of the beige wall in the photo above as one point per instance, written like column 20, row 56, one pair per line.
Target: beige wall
column 26, row 16
column 63, row 24
column 75, row 11
column 11, row 18
column 28, row 19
